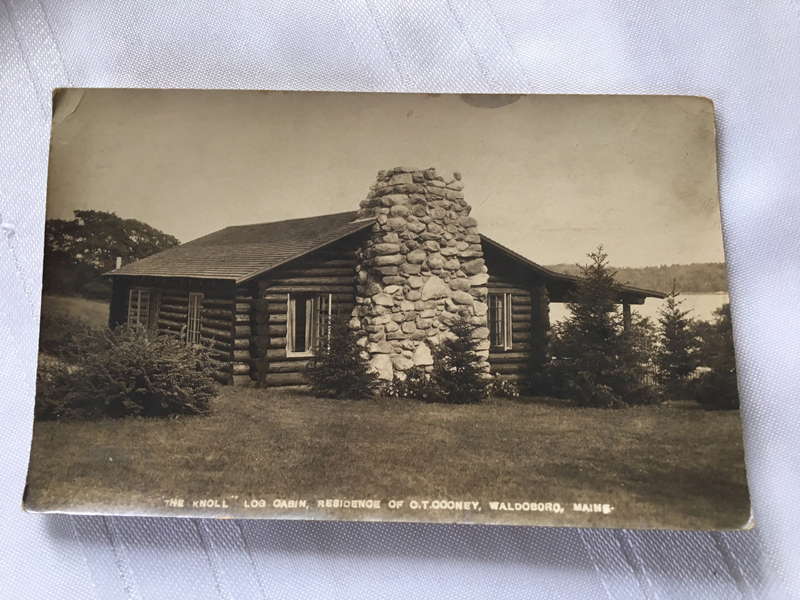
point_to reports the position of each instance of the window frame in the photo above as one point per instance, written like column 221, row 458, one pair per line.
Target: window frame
column 153, row 295
column 318, row 317
column 194, row 316
column 506, row 322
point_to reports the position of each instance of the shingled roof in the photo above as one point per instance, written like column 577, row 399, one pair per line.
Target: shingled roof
column 242, row 252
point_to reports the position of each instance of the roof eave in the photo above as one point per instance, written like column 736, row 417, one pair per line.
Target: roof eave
column 545, row 272
column 162, row 276
column 249, row 277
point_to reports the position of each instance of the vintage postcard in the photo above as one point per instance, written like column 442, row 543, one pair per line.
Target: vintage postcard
column 387, row 307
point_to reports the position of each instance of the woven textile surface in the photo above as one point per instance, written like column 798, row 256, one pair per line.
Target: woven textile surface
column 744, row 55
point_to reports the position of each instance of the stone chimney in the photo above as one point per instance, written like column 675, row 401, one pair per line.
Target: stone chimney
column 421, row 268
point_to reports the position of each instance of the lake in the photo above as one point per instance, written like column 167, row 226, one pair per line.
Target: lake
column 701, row 305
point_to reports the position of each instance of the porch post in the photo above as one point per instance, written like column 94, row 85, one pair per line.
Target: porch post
column 626, row 316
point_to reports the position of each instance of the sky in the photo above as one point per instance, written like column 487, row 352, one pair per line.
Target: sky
column 551, row 177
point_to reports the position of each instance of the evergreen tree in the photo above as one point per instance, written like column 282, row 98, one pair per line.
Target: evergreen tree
column 595, row 362
column 715, row 386
column 459, row 373
column 674, row 356
column 338, row 369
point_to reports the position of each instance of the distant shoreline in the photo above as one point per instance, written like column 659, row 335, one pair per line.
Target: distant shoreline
column 695, row 278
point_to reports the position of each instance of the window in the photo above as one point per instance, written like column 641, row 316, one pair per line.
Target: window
column 500, row 333
column 307, row 320
column 194, row 319
column 143, row 307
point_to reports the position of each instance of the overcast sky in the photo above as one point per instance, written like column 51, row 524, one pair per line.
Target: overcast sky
column 549, row 176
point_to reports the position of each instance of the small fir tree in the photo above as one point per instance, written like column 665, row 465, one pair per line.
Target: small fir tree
column 595, row 361
column 338, row 368
column 459, row 373
column 715, row 386
column 674, row 356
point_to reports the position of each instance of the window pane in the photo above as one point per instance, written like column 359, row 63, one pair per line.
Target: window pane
column 496, row 320
column 310, row 324
column 508, row 335
column 133, row 297
column 154, row 300
column 308, row 321
column 323, row 318
column 194, row 318
column 299, row 341
column 141, row 310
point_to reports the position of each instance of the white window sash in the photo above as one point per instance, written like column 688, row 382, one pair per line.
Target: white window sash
column 194, row 319
column 508, row 329
column 314, row 306
column 500, row 321
column 311, row 323
column 290, row 329
column 133, row 312
column 136, row 298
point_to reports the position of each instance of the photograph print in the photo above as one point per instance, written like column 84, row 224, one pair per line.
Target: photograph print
column 387, row 307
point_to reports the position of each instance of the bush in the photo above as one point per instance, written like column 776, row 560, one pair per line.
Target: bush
column 501, row 387
column 132, row 372
column 459, row 373
column 52, row 378
column 68, row 338
column 338, row 369
column 415, row 384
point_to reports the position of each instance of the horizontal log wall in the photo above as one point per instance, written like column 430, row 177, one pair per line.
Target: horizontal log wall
column 243, row 362
column 530, row 317
column 516, row 361
column 225, row 317
column 330, row 270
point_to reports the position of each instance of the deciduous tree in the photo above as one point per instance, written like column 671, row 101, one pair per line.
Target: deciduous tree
column 78, row 251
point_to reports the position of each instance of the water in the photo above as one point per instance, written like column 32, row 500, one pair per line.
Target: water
column 701, row 305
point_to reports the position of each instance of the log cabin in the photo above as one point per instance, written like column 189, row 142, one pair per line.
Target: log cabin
column 400, row 268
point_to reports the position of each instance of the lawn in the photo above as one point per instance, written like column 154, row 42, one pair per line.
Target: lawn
column 672, row 465
column 94, row 312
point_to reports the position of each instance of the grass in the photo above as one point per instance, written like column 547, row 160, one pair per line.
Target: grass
column 672, row 465
column 94, row 312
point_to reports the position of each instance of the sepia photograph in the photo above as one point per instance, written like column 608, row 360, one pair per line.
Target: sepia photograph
column 489, row 309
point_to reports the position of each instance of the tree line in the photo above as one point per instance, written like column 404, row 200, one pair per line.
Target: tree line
column 695, row 278
column 78, row 251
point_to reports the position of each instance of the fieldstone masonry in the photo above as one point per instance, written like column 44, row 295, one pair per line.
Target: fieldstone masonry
column 421, row 268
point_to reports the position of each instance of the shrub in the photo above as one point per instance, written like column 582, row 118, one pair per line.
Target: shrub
column 459, row 373
column 501, row 387
column 52, row 379
column 338, row 369
column 416, row 384
column 135, row 372
column 68, row 338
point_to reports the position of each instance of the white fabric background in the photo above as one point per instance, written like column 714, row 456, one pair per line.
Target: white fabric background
column 745, row 55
